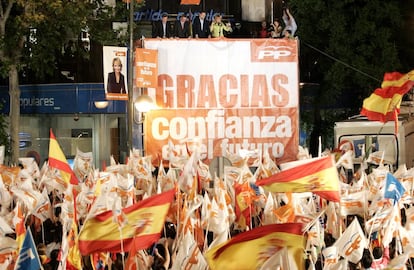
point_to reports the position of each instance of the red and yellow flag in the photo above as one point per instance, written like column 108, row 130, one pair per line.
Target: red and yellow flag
column 243, row 203
column 384, row 104
column 319, row 176
column 74, row 260
column 258, row 245
column 58, row 161
column 145, row 221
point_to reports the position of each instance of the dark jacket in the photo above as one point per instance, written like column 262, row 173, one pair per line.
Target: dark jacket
column 202, row 32
column 182, row 32
column 158, row 30
column 116, row 87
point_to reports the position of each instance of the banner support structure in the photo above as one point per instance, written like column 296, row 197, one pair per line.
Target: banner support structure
column 130, row 111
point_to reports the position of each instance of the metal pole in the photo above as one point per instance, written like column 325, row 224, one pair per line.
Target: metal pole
column 130, row 75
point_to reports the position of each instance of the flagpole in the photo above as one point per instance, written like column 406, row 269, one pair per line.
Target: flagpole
column 122, row 248
column 43, row 234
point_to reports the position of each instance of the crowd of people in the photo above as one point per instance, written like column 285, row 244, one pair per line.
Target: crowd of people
column 200, row 27
column 362, row 199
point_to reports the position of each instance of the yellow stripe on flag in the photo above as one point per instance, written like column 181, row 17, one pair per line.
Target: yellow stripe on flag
column 58, row 161
column 378, row 104
column 55, row 151
column 319, row 176
column 109, row 231
column 145, row 221
column 310, row 183
column 400, row 81
column 260, row 245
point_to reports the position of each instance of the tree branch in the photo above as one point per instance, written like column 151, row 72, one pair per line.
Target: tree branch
column 4, row 16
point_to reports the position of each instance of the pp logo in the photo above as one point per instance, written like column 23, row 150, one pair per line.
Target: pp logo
column 274, row 52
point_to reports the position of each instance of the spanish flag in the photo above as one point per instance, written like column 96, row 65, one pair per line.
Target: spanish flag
column 145, row 221
column 319, row 176
column 74, row 260
column 243, row 203
column 58, row 161
column 384, row 104
column 250, row 249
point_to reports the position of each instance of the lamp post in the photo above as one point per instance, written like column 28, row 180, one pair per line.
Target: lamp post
column 143, row 104
column 130, row 111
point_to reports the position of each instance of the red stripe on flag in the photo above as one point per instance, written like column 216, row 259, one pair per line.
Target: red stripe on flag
column 145, row 221
column 90, row 246
column 60, row 164
column 155, row 200
column 384, row 104
column 297, row 172
column 376, row 116
column 390, row 91
column 329, row 195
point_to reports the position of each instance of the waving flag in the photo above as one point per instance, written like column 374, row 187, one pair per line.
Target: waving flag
column 28, row 257
column 319, row 176
column 145, row 222
column 58, row 161
column 352, row 242
column 393, row 188
column 251, row 249
column 43, row 208
column 384, row 104
column 73, row 259
column 243, row 203
column 4, row 227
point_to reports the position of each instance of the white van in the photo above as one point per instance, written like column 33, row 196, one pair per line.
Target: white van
column 362, row 135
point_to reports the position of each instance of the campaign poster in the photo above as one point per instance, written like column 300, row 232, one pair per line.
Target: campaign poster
column 115, row 73
column 146, row 67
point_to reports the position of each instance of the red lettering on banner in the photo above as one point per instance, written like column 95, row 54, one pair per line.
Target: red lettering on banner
column 233, row 92
column 260, row 95
column 206, row 93
column 282, row 99
column 164, row 97
column 185, row 90
column 244, row 91
column 227, row 82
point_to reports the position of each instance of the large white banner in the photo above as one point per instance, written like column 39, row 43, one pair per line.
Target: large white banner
column 225, row 95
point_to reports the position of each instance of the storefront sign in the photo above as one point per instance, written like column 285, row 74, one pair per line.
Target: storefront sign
column 61, row 99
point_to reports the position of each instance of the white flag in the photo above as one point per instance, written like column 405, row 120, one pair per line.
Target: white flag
column 352, row 242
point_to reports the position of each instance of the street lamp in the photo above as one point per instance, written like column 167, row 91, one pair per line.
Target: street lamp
column 101, row 104
column 144, row 104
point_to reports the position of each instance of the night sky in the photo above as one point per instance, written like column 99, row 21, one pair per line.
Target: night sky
column 407, row 35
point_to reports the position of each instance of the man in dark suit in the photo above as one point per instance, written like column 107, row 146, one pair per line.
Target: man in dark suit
column 201, row 27
column 163, row 28
column 182, row 27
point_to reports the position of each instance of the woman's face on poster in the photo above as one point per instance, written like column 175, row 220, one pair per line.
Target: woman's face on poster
column 117, row 66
